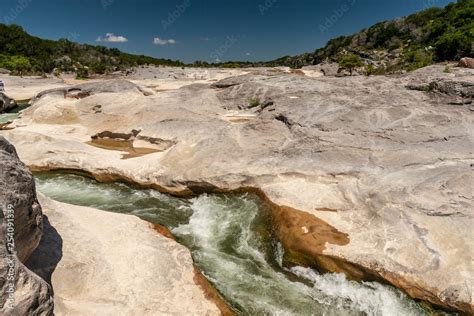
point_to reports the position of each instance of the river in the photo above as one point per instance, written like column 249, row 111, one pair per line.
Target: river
column 231, row 242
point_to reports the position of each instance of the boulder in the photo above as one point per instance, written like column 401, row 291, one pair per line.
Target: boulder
column 91, row 88
column 326, row 68
column 466, row 62
column 454, row 92
column 6, row 103
column 21, row 214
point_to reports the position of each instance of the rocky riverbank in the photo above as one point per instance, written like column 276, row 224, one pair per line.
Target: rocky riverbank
column 90, row 261
column 371, row 174
column 106, row 263
column 23, row 292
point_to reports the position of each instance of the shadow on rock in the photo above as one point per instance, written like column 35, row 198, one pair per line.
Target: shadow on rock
column 44, row 260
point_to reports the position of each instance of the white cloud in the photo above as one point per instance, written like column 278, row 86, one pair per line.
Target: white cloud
column 248, row 54
column 111, row 37
column 159, row 41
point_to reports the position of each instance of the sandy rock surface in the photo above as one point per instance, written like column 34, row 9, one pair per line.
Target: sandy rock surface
column 385, row 164
column 102, row 263
column 26, row 88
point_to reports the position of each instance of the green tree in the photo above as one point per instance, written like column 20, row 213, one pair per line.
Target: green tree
column 350, row 61
column 17, row 64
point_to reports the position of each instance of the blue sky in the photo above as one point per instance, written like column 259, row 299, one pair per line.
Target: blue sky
column 205, row 29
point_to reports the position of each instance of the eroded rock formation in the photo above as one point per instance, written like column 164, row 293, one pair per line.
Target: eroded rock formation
column 22, row 215
column 102, row 263
column 466, row 62
column 6, row 103
column 87, row 89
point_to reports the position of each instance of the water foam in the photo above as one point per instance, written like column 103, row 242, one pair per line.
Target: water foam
column 368, row 297
column 270, row 291
column 231, row 243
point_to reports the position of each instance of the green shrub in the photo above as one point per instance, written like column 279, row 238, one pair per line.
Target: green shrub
column 369, row 70
column 254, row 102
column 82, row 73
column 417, row 59
column 386, row 34
column 453, row 46
column 17, row 64
column 350, row 61
column 430, row 87
column 99, row 68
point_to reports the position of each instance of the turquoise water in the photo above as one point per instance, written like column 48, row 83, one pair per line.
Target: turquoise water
column 8, row 117
column 232, row 244
column 12, row 114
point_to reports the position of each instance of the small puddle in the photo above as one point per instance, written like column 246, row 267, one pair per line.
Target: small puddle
column 122, row 145
column 232, row 244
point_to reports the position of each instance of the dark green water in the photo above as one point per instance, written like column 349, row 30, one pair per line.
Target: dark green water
column 232, row 245
column 13, row 114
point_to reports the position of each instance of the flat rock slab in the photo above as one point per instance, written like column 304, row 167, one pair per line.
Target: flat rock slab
column 25, row 88
column 102, row 263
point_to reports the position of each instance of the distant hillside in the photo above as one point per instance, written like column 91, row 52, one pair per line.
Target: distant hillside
column 420, row 39
column 408, row 43
column 23, row 53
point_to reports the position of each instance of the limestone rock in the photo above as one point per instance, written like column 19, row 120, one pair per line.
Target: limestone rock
column 6, row 103
column 87, row 89
column 449, row 91
column 25, row 88
column 17, row 189
column 466, row 62
column 326, row 68
column 103, row 263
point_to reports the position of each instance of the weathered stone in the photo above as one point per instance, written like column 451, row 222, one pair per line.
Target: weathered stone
column 466, row 62
column 87, row 89
column 102, row 263
column 447, row 91
column 325, row 68
column 25, row 88
column 6, row 103
column 266, row 103
column 32, row 295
